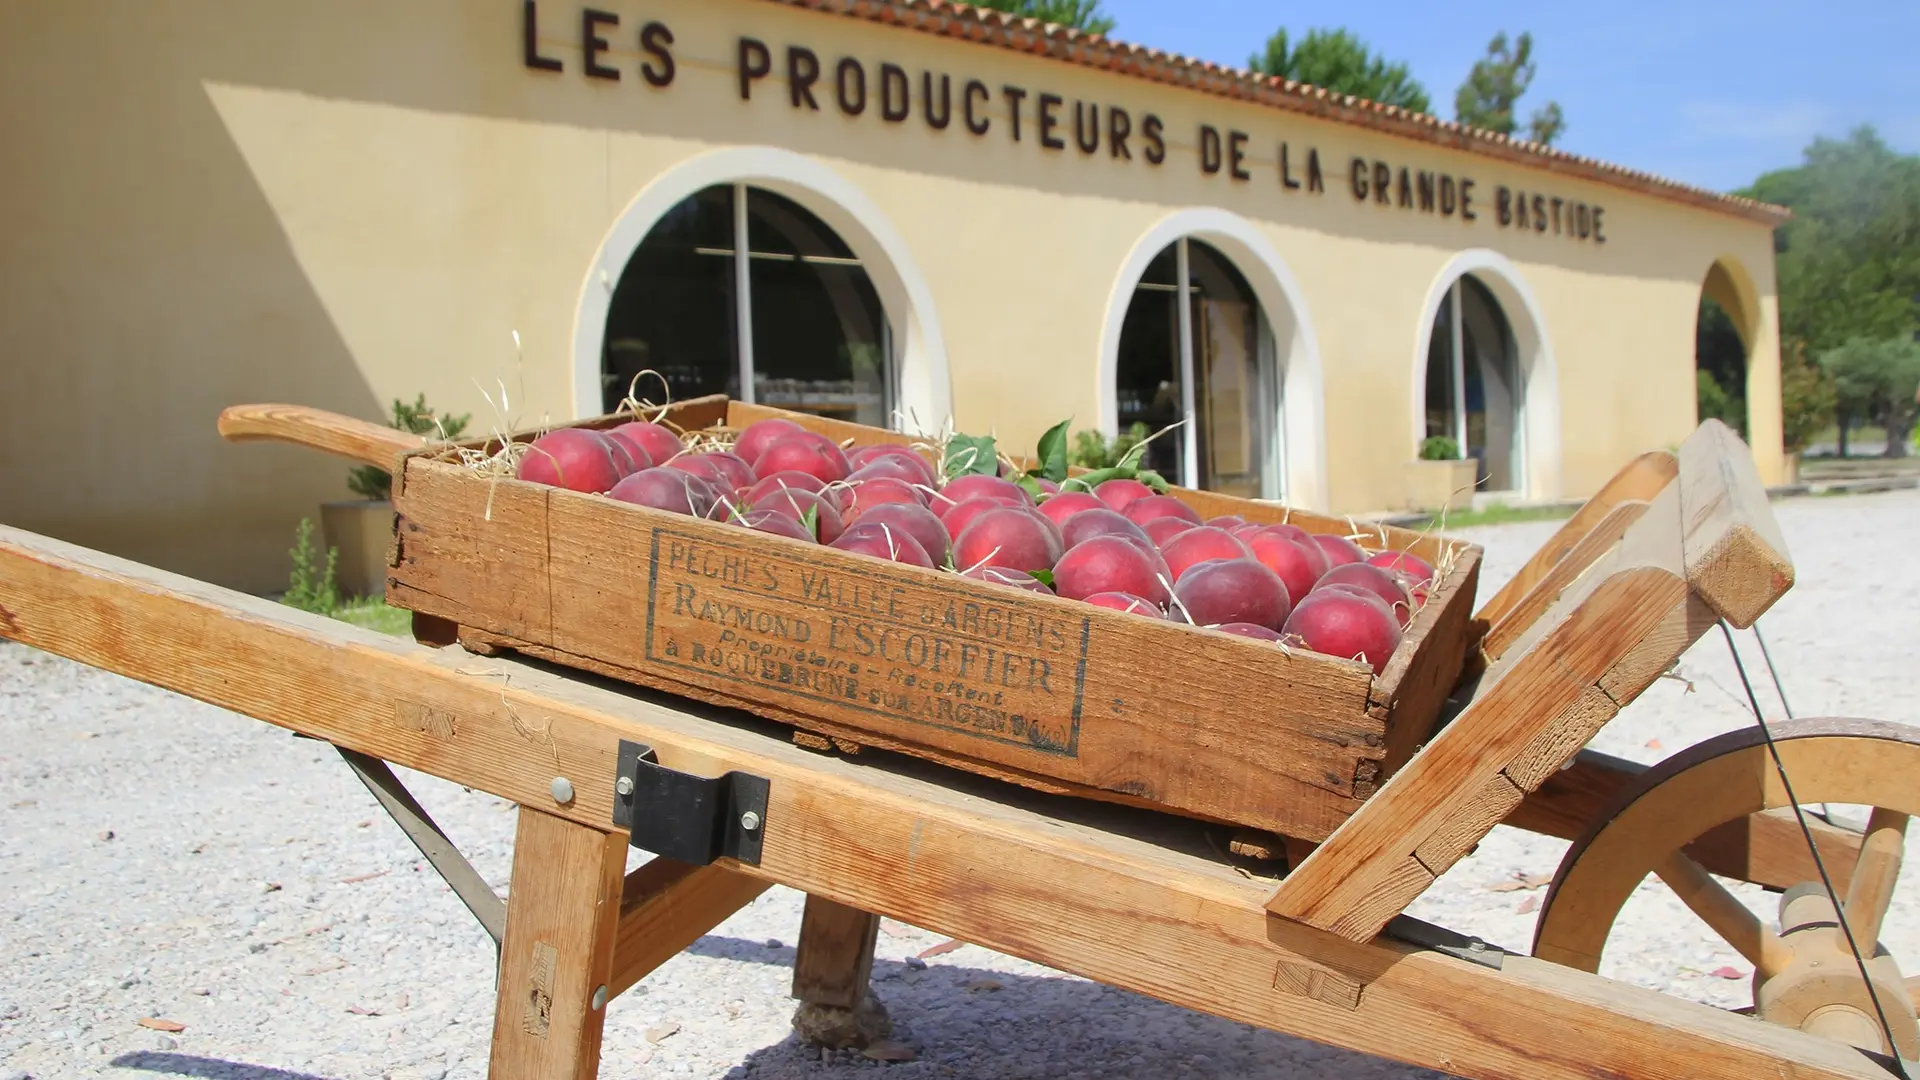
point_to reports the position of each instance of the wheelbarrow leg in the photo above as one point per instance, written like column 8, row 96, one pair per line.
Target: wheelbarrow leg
column 831, row 974
column 562, row 909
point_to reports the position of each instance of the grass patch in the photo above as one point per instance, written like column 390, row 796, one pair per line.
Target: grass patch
column 374, row 613
column 1496, row 514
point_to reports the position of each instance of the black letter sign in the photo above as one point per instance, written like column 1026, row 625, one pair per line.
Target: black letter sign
column 592, row 44
column 654, row 39
column 529, row 40
column 755, row 62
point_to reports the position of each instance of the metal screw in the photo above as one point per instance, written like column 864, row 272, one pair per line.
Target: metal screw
column 749, row 821
column 562, row 789
column 624, row 785
column 600, row 998
column 1476, row 946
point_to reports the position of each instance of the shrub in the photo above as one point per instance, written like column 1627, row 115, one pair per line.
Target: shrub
column 373, row 482
column 1092, row 450
column 1713, row 402
column 1806, row 397
column 1439, row 448
column 310, row 588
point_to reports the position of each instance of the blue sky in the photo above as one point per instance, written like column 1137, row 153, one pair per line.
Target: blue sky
column 1709, row 92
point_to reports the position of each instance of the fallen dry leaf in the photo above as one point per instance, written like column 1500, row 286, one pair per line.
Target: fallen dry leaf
column 1726, row 972
column 941, row 949
column 1654, row 744
column 358, row 878
column 1530, row 904
column 889, row 1050
column 1521, row 881
column 661, row 1031
column 895, row 929
column 362, row 1010
column 155, row 1023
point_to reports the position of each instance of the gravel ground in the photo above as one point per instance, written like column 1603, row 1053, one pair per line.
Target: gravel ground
column 163, row 859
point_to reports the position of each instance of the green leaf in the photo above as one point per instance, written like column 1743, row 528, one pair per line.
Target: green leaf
column 810, row 518
column 1031, row 485
column 1053, row 452
column 1094, row 478
column 1044, row 577
column 1153, row 480
column 971, row 455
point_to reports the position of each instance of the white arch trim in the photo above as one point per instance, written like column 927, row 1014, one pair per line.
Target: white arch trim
column 924, row 389
column 1296, row 352
column 1540, row 377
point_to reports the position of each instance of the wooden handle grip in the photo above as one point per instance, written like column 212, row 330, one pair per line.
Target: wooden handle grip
column 371, row 444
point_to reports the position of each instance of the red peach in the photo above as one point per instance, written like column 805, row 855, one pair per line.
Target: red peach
column 1232, row 591
column 666, row 489
column 757, row 436
column 1121, row 493
column 775, row 522
column 1416, row 573
column 1127, row 602
column 1376, row 581
column 725, row 471
column 1008, row 536
column 571, row 458
column 656, row 441
column 1298, row 565
column 1144, row 510
column 1059, row 508
column 1338, row 549
column 877, row 491
column 1013, row 578
column 1249, row 630
column 1106, row 564
column 1345, row 621
column 961, row 488
column 815, row 455
column 916, row 521
column 861, row 456
column 1226, row 521
column 1101, row 522
column 781, row 481
column 795, row 503
column 1199, row 544
column 891, row 468
column 626, row 461
column 883, row 542
column 1162, row 530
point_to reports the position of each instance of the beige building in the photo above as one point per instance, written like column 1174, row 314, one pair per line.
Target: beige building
column 880, row 209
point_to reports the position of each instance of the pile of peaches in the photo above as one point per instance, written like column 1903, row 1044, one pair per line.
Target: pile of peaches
column 1117, row 545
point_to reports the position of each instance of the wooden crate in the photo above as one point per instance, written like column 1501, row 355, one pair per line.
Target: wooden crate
column 1046, row 692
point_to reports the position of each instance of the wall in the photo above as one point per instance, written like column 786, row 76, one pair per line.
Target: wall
column 341, row 204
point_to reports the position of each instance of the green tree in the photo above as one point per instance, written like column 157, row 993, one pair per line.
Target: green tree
column 1806, row 397
column 1494, row 87
column 1848, row 263
column 1339, row 61
column 1878, row 380
column 1079, row 14
column 1721, row 361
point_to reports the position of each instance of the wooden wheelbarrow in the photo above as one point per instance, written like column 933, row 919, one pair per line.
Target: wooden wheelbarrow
column 1675, row 544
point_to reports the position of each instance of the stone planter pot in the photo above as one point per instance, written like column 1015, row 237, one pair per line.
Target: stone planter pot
column 1439, row 485
column 363, row 531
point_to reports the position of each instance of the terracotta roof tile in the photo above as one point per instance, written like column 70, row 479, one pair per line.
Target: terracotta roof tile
column 998, row 29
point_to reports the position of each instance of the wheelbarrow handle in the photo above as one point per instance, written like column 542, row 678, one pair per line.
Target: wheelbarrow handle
column 368, row 443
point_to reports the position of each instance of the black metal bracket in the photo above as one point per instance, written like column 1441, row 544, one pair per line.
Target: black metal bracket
column 695, row 819
column 1442, row 940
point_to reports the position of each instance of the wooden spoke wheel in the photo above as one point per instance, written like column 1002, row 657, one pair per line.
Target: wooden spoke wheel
column 1804, row 975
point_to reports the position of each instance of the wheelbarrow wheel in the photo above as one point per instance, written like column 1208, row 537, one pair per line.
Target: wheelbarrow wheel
column 1805, row 975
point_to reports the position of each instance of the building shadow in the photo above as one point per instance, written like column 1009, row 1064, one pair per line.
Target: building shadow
column 204, row 1068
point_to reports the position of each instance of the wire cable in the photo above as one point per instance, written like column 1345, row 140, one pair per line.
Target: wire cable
column 1819, row 864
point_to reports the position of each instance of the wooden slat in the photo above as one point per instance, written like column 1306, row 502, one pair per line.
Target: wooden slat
column 1357, row 880
column 667, row 905
column 1641, row 479
column 1597, row 542
column 1106, row 899
column 1765, row 849
column 562, row 907
column 1423, row 673
column 1736, row 557
column 834, row 959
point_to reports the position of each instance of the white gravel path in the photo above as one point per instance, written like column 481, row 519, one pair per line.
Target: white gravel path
column 161, row 858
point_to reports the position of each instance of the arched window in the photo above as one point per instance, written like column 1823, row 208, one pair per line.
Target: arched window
column 741, row 291
column 1195, row 346
column 1474, row 394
